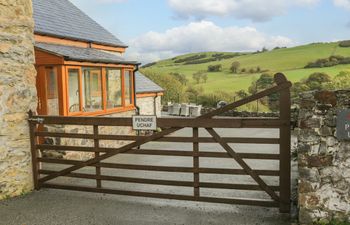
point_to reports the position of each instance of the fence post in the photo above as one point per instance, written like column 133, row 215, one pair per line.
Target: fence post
column 285, row 145
column 196, row 163
column 97, row 154
column 34, row 150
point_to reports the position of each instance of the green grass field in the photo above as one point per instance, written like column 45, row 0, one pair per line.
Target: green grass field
column 290, row 61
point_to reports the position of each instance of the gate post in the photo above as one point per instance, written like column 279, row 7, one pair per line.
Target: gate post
column 34, row 150
column 285, row 145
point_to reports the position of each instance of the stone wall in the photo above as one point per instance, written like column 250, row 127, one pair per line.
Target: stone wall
column 17, row 95
column 324, row 161
column 146, row 105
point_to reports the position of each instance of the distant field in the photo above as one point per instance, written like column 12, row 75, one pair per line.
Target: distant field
column 290, row 61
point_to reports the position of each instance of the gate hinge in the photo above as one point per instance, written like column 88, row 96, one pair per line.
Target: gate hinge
column 37, row 120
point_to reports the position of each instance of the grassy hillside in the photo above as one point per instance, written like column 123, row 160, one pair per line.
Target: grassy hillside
column 290, row 61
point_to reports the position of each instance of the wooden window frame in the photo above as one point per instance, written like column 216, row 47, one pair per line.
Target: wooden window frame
column 80, row 90
column 132, row 88
column 116, row 109
column 124, row 107
column 51, row 94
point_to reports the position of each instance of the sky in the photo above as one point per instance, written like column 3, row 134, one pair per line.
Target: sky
column 159, row 29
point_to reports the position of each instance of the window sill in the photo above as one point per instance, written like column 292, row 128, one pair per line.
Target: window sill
column 104, row 112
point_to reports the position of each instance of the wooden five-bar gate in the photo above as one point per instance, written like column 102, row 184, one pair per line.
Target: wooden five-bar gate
column 279, row 195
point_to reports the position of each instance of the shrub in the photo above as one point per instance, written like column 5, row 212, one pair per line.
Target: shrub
column 344, row 44
column 191, row 58
column 251, row 70
column 340, row 81
column 200, row 61
column 210, row 100
column 317, row 81
column 215, row 68
column 328, row 62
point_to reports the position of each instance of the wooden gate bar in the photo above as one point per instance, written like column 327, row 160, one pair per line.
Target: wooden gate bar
column 250, row 187
column 170, row 139
column 164, row 196
column 196, row 163
column 219, row 122
column 163, row 168
column 262, row 156
column 97, row 154
column 243, row 164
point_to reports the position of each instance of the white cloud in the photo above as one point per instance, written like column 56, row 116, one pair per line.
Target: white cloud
column 201, row 36
column 256, row 10
column 342, row 3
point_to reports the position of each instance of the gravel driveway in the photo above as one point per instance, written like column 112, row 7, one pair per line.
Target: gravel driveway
column 56, row 207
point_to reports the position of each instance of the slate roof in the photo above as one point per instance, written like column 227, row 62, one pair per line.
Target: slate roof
column 83, row 54
column 61, row 18
column 145, row 85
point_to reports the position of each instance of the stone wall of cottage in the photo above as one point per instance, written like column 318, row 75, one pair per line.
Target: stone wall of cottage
column 324, row 161
column 146, row 105
column 17, row 96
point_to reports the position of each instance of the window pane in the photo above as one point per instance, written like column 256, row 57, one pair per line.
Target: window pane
column 52, row 91
column 128, row 87
column 92, row 90
column 73, row 90
column 114, row 88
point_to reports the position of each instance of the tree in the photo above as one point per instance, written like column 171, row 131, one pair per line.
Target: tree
column 204, row 77
column 235, row 66
column 265, row 81
column 197, row 76
column 180, row 77
column 174, row 90
column 193, row 93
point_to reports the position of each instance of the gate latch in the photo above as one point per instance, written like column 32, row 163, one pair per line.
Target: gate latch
column 37, row 120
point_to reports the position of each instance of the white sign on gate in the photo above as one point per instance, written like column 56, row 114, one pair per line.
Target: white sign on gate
column 144, row 122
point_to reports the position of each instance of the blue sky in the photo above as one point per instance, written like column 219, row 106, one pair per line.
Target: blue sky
column 157, row 29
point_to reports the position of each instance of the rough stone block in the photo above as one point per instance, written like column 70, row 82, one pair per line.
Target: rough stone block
column 309, row 136
column 320, row 161
column 310, row 174
column 326, row 131
column 326, row 97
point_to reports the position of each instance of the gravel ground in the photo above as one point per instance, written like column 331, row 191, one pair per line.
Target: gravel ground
column 56, row 207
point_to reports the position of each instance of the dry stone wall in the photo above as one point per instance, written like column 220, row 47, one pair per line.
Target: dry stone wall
column 324, row 161
column 17, row 95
